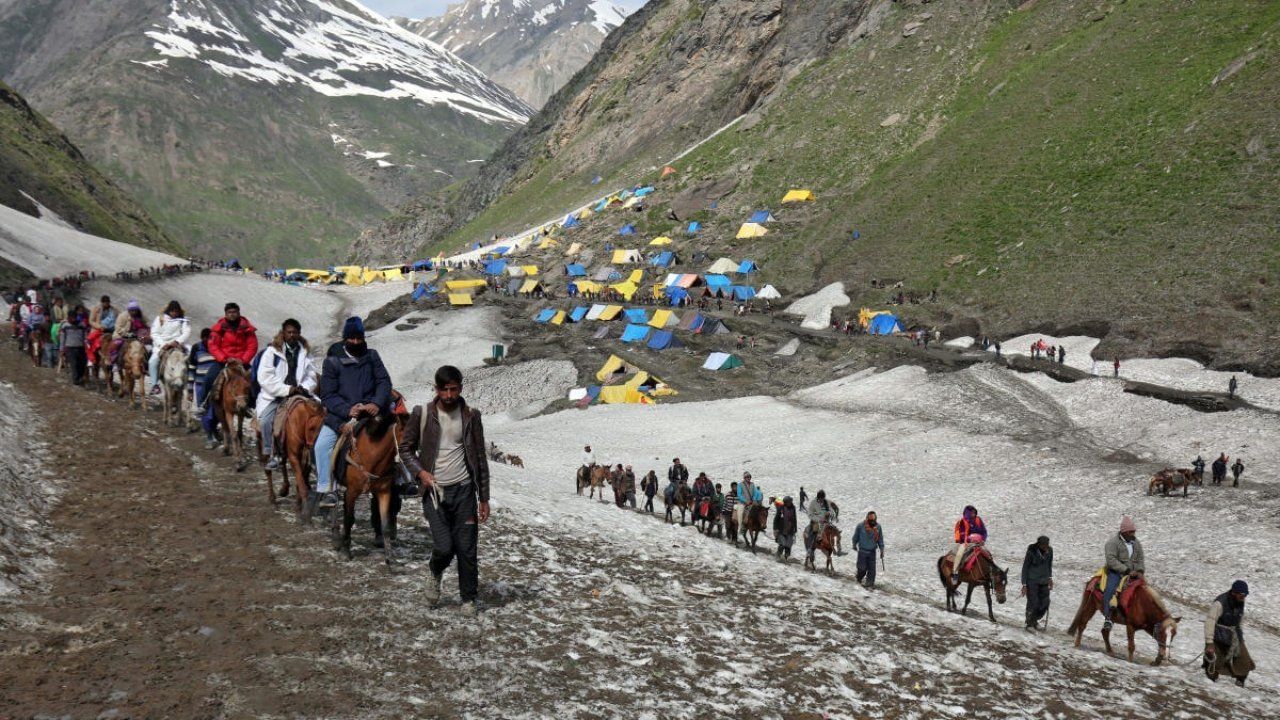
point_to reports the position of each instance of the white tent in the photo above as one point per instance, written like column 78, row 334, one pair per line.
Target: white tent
column 769, row 292
column 595, row 311
column 722, row 266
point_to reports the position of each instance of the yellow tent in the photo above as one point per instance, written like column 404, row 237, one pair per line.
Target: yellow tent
column 586, row 214
column 622, row 257
column 611, row 312
column 865, row 315
column 664, row 240
column 529, row 286
column 632, row 201
column 348, row 269
column 588, row 286
column 460, row 299
column 371, row 275
column 752, row 230
column 464, row 284
column 354, row 279
column 658, row 291
column 547, row 244
column 530, row 270
column 621, row 394
column 799, row 196
column 636, row 277
column 664, row 318
column 626, row 289
column 611, row 367
column 558, row 319
column 574, row 249
column 393, row 275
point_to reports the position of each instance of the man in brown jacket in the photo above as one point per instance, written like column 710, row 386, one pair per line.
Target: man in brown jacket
column 443, row 447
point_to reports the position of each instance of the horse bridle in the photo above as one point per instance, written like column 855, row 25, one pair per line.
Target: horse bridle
column 368, row 476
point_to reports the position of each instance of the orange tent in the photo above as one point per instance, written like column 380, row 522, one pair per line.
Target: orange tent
column 668, row 170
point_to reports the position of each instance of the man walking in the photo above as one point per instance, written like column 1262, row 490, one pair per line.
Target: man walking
column 1237, row 469
column 867, row 538
column 1224, row 649
column 71, row 342
column 443, row 447
column 285, row 370
column 650, row 487
column 1232, row 386
column 1124, row 557
column 1037, row 580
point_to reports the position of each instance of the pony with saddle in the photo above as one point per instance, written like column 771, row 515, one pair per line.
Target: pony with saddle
column 1136, row 605
column 706, row 517
column 755, row 518
column 132, row 359
column 682, row 499
column 231, row 407
column 979, row 569
column 367, row 457
column 598, row 478
column 173, row 383
column 1169, row 480
column 296, row 427
column 827, row 542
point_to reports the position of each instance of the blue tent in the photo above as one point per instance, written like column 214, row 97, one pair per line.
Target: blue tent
column 601, row 205
column 423, row 290
column 475, row 246
column 575, row 270
column 677, row 294
column 885, row 324
column 546, row 315
column 627, row 229
column 637, row 315
column 747, row 266
column 495, row 267
column 498, row 251
column 422, row 265
column 644, row 191
column 715, row 281
column 692, row 322
column 571, row 289
column 663, row 339
column 596, row 180
column 570, row 221
column 743, row 293
column 761, row 216
column 664, row 259
column 578, row 313
column 635, row 333
column 624, row 194
column 694, row 227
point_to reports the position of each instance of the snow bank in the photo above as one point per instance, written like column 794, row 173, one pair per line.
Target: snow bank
column 816, row 308
column 506, row 392
column 429, row 339
column 48, row 248
column 27, row 492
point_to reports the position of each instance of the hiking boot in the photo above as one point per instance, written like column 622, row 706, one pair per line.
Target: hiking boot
column 1106, row 625
column 469, row 609
column 273, row 463
column 210, row 443
column 433, row 589
column 1032, row 628
column 328, row 500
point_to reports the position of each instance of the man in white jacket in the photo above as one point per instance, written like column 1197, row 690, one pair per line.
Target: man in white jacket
column 284, row 369
column 170, row 329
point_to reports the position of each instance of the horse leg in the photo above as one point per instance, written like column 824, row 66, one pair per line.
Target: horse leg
column 991, row 613
column 349, row 517
column 1106, row 638
column 1129, row 630
column 968, row 597
column 388, row 531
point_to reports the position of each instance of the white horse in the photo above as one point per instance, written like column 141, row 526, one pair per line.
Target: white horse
column 173, row 383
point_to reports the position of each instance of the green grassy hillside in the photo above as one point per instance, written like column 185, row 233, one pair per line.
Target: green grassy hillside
column 1054, row 165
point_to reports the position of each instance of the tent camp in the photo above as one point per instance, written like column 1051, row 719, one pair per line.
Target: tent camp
column 722, row 361
column 762, row 216
column 664, row 259
column 692, row 322
column 798, row 196
column 712, row 326
column 686, row 281
column 547, row 244
column 573, row 250
column 460, row 299
column 514, row 271
column 575, row 270
column 662, row 240
column 610, row 313
column 621, row 394
column 513, row 285
column 694, row 227
column 545, row 315
column 596, row 311
column 635, row 333
column 634, row 201
column 722, row 266
column 716, row 281
column 636, row 277
column 663, row 340
column 769, row 292
column 456, row 285
column 529, row 270
column 664, row 319
column 646, row 190
column 570, row 222
column 627, row 229
column 674, row 294
column 495, row 267
column 636, row 315
column 743, row 293
column 607, row 274
column 626, row 289
column 578, row 314
column 558, row 318
column 530, row 286
column 747, row 266
column 623, row 257
column 614, row 367
column 884, row 324
column 587, row 286
column 751, row 230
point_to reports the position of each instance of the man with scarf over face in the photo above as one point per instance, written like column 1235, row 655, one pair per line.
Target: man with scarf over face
column 353, row 384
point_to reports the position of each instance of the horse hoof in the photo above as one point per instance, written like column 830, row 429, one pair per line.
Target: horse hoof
column 378, row 542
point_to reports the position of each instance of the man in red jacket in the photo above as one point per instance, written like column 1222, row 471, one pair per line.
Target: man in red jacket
column 232, row 338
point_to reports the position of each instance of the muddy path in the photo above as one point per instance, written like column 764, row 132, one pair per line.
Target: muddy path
column 178, row 592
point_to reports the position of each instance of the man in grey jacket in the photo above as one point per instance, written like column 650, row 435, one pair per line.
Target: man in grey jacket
column 1124, row 558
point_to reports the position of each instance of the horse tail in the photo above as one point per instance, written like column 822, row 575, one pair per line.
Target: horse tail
column 1083, row 614
column 942, row 574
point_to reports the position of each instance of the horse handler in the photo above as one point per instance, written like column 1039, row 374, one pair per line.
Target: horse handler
column 443, row 447
column 1224, row 650
column 867, row 538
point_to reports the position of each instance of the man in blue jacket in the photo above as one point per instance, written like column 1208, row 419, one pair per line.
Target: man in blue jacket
column 353, row 384
column 867, row 538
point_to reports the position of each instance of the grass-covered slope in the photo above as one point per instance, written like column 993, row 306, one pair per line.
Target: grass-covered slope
column 38, row 160
column 1055, row 164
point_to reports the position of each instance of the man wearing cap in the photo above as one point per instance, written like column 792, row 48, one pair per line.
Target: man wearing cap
column 353, row 384
column 232, row 338
column 1224, row 649
column 1123, row 558
column 748, row 494
column 677, row 474
column 1037, row 579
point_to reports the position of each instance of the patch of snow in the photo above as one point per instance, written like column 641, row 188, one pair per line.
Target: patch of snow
column 49, row 248
column 816, row 308
column 371, row 155
column 27, row 494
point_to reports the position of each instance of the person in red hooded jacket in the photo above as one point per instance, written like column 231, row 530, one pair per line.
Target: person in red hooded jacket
column 970, row 529
column 232, row 338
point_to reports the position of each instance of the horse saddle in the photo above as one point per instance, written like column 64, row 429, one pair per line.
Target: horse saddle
column 287, row 406
column 1124, row 592
column 974, row 554
column 704, row 508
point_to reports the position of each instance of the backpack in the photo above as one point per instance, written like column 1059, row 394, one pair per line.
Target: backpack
column 254, row 387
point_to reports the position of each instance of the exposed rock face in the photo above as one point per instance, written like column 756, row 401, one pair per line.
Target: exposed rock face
column 531, row 47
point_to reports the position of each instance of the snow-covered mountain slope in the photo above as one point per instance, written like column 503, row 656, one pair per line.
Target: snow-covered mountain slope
column 530, row 46
column 223, row 116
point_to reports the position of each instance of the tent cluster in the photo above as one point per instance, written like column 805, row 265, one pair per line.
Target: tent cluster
column 351, row 274
column 657, row 331
column 622, row 383
column 878, row 322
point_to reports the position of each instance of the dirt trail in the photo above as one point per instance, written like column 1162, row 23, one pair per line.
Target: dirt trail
column 180, row 593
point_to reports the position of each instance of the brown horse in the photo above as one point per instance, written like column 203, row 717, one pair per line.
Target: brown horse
column 173, row 383
column 231, row 405
column 731, row 527
column 301, row 426
column 755, row 518
column 101, row 372
column 683, row 500
column 706, row 516
column 1142, row 609
column 582, row 478
column 983, row 573
column 827, row 543
column 371, row 451
column 1170, row 479
column 37, row 338
column 133, row 369
column 599, row 477
column 515, row 461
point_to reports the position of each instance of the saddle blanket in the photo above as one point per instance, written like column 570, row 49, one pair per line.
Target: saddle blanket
column 1124, row 592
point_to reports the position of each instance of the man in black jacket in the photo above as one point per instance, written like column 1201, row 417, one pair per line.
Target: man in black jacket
column 443, row 447
column 1037, row 580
